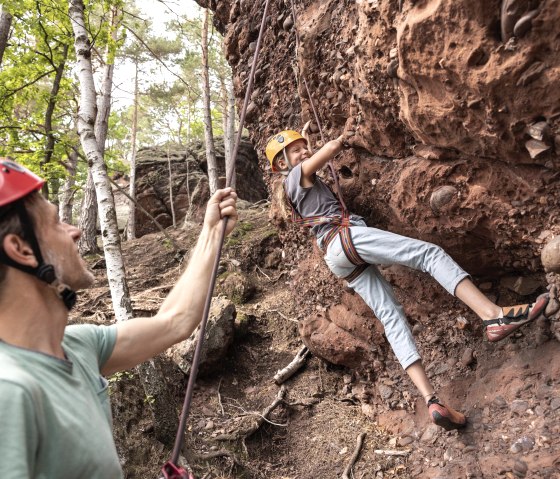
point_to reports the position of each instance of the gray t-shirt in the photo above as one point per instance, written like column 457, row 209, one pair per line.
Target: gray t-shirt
column 317, row 200
column 55, row 417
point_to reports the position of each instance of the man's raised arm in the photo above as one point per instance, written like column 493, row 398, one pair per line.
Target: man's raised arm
column 142, row 338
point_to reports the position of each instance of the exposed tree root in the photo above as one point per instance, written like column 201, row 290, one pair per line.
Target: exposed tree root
column 252, row 422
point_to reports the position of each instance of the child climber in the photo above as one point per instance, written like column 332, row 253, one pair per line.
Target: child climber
column 353, row 251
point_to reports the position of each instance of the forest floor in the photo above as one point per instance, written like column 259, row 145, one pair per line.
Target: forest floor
column 510, row 390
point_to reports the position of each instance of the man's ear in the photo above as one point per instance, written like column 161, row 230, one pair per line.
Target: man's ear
column 19, row 250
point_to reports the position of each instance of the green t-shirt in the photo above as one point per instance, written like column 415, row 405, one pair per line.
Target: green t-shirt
column 55, row 416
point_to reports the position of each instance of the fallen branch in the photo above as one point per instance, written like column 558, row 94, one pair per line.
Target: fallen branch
column 388, row 452
column 263, row 273
column 251, row 423
column 282, row 315
column 220, row 397
column 354, row 458
column 297, row 363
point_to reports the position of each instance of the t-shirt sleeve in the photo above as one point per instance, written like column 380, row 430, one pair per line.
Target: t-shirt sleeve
column 293, row 181
column 101, row 339
column 19, row 431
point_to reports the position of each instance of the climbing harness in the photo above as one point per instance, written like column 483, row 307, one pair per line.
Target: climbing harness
column 340, row 224
column 170, row 469
column 340, row 227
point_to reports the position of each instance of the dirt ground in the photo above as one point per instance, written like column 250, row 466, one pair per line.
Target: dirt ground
column 510, row 391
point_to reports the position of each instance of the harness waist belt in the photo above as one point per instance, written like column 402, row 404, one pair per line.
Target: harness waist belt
column 348, row 248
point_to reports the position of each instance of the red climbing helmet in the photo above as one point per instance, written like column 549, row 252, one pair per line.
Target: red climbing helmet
column 16, row 182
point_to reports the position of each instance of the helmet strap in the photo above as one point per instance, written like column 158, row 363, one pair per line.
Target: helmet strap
column 290, row 167
column 44, row 272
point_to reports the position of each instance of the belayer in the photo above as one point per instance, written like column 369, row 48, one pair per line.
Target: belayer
column 353, row 251
column 55, row 417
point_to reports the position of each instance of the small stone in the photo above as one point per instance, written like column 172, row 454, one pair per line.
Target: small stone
column 538, row 131
column 525, row 443
column 384, row 391
column 462, row 323
column 343, row 451
column 485, row 286
column 550, row 256
column 288, row 23
column 518, row 406
column 555, row 404
column 404, row 441
column 467, row 358
column 500, row 402
column 515, row 448
column 520, row 468
column 536, row 147
column 521, row 285
column 442, row 196
column 209, row 425
column 417, row 329
column 430, row 434
column 207, row 411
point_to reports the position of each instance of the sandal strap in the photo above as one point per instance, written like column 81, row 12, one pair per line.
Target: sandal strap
column 518, row 311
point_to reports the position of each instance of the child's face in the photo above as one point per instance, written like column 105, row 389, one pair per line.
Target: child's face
column 297, row 152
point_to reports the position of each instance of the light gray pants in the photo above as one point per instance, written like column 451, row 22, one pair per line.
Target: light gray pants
column 379, row 247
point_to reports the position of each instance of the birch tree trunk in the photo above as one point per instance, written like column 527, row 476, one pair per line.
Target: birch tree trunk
column 131, row 224
column 153, row 381
column 87, row 244
column 208, row 134
column 5, row 24
column 91, row 146
column 67, row 194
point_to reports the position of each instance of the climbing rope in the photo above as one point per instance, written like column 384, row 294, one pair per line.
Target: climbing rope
column 170, row 469
column 316, row 115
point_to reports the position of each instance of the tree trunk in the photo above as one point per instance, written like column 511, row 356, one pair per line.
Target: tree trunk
column 5, row 24
column 208, row 134
column 87, row 244
column 131, row 225
column 67, row 194
column 225, row 120
column 171, row 205
column 229, row 135
column 91, row 146
column 49, row 134
column 153, row 380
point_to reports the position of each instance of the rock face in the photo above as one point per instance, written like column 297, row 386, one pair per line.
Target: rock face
column 190, row 182
column 455, row 107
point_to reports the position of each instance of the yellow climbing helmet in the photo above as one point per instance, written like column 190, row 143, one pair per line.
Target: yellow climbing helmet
column 280, row 141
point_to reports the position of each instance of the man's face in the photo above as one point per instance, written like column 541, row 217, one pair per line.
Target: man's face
column 57, row 241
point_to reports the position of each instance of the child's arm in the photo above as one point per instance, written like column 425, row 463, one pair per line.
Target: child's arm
column 305, row 134
column 321, row 158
